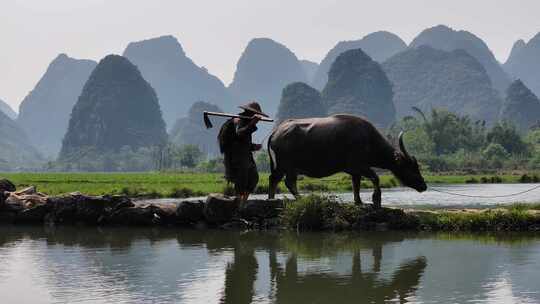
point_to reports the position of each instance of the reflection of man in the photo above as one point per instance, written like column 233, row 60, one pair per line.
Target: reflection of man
column 236, row 144
column 240, row 276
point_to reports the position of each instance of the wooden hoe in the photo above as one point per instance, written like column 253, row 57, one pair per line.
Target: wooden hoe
column 208, row 123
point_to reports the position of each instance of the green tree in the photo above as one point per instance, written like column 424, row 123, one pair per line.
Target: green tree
column 505, row 134
column 450, row 132
column 496, row 154
column 495, row 151
column 533, row 139
column 189, row 156
column 446, row 131
column 418, row 142
column 213, row 165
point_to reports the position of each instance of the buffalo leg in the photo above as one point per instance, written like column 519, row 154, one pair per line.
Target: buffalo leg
column 356, row 179
column 377, row 188
column 273, row 181
column 290, row 182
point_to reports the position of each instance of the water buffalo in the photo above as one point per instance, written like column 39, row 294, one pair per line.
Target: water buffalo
column 320, row 147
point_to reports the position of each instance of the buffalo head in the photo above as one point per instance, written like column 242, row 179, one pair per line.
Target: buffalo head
column 407, row 169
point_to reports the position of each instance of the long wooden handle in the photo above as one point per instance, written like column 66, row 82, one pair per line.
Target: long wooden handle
column 235, row 116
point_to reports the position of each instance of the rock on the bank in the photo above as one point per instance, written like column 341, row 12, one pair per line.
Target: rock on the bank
column 35, row 214
column 190, row 212
column 219, row 208
column 5, row 186
column 147, row 215
column 384, row 219
column 78, row 208
column 24, row 199
column 30, row 206
column 261, row 209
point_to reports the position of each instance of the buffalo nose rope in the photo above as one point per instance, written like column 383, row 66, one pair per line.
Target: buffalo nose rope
column 485, row 196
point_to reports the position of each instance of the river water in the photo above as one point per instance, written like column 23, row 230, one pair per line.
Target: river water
column 405, row 197
column 136, row 265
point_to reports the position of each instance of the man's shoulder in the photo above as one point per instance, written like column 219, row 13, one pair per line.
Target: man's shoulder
column 228, row 122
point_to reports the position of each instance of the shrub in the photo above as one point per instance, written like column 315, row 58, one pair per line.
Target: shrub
column 529, row 179
column 314, row 212
column 471, row 180
column 496, row 154
column 506, row 135
column 491, row 180
column 139, row 192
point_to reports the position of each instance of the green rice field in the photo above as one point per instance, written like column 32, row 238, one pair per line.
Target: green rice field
column 195, row 184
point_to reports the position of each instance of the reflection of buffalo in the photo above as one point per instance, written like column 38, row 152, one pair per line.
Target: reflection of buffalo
column 291, row 287
column 359, row 287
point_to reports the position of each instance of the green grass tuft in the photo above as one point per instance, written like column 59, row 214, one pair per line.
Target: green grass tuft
column 514, row 219
column 313, row 212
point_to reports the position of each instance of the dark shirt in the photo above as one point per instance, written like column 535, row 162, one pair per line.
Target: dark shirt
column 243, row 145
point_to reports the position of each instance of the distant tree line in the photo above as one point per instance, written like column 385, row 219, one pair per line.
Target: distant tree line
column 445, row 141
column 440, row 140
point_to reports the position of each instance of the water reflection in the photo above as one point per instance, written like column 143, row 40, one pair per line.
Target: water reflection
column 357, row 287
column 39, row 265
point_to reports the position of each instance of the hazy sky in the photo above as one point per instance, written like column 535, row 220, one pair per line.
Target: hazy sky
column 214, row 33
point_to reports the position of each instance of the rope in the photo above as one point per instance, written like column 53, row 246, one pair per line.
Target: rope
column 485, row 196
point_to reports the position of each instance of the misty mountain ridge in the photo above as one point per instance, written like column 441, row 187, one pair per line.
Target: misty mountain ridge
column 267, row 67
column 521, row 106
column 378, row 45
column 310, row 68
column 524, row 63
column 6, row 109
column 516, row 49
column 358, row 85
column 44, row 113
column 427, row 78
column 116, row 108
column 445, row 38
column 16, row 152
column 299, row 100
column 262, row 72
column 190, row 130
column 178, row 81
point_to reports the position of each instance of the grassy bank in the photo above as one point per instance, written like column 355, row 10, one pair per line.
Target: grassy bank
column 326, row 213
column 194, row 184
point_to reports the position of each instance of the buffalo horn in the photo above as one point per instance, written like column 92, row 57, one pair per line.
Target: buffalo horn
column 402, row 146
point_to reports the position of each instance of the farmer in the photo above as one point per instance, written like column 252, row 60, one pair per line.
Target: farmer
column 237, row 147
